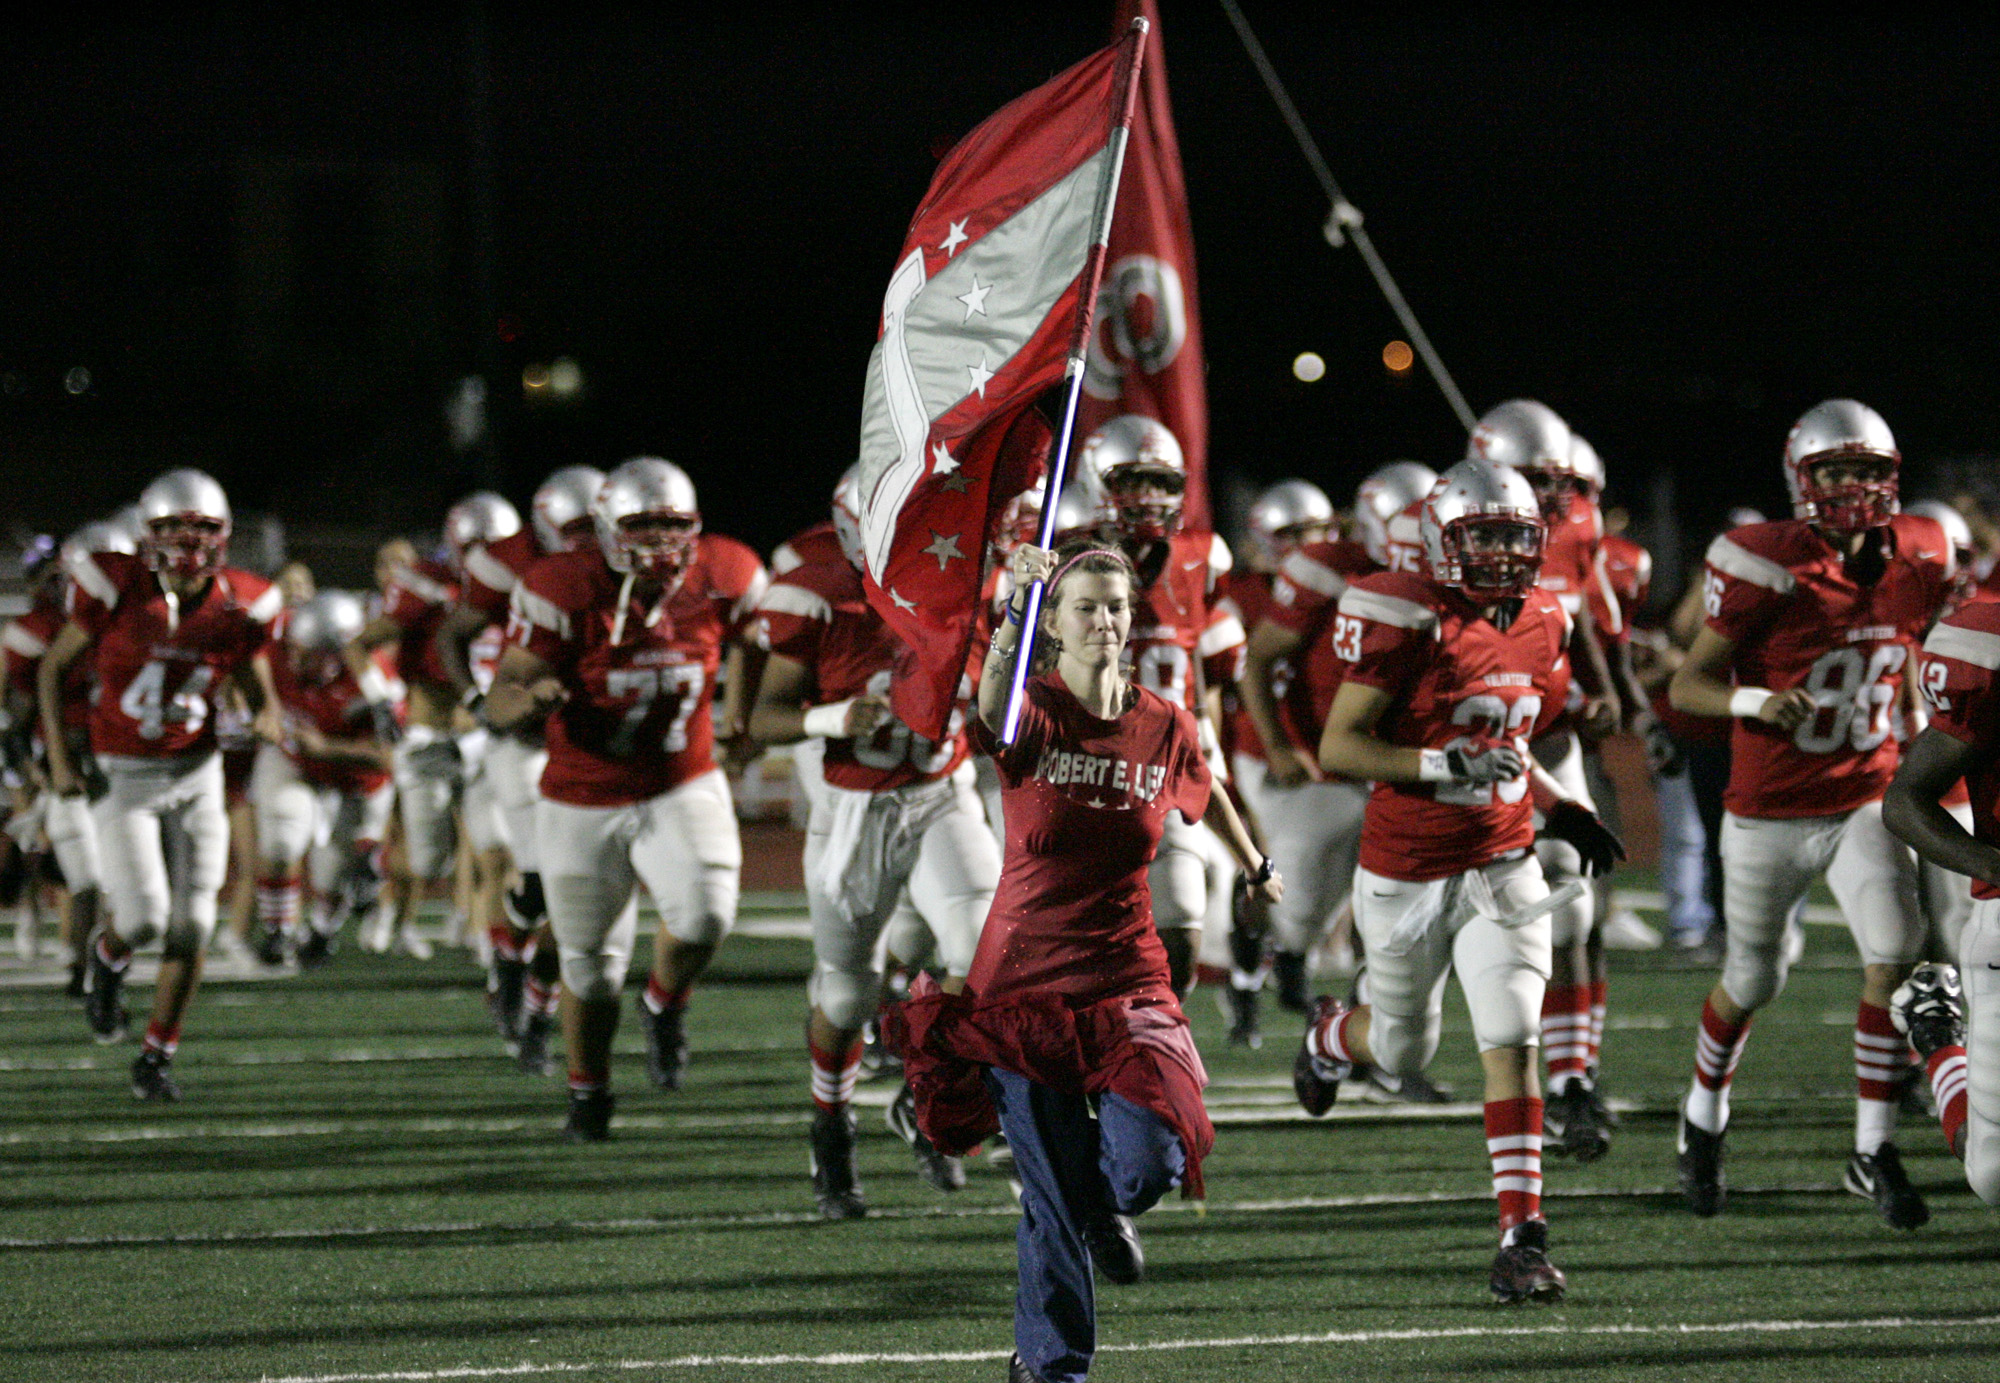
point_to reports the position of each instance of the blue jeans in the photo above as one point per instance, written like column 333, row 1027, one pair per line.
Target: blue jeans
column 1075, row 1166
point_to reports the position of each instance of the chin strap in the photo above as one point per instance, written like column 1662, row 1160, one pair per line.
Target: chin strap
column 173, row 609
column 624, row 602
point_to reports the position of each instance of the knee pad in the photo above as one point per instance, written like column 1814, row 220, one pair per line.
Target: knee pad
column 908, row 939
column 704, row 925
column 134, row 929
column 847, row 998
column 1754, row 974
column 1403, row 1047
column 593, row 975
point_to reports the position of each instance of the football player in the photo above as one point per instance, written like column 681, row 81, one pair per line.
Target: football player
column 1449, row 679
column 1809, row 627
column 891, row 812
column 524, row 968
column 323, row 792
column 164, row 630
column 615, row 649
column 1184, row 645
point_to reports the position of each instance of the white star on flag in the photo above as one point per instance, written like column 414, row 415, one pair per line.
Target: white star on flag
column 901, row 604
column 975, row 301
column 941, row 460
column 944, row 548
column 955, row 237
column 980, row 374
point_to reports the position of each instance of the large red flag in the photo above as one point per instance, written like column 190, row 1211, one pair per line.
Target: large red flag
column 1145, row 346
column 981, row 317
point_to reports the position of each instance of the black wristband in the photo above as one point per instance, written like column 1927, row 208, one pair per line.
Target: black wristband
column 1262, row 874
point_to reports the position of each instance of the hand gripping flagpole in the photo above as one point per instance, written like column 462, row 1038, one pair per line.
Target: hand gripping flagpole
column 1093, row 278
column 1343, row 221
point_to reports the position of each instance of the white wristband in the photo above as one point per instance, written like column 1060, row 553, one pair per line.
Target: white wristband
column 1433, row 766
column 1746, row 702
column 374, row 686
column 829, row 721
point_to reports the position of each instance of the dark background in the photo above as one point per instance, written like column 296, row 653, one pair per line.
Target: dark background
column 277, row 238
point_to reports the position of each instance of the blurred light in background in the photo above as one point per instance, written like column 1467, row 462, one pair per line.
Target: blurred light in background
column 535, row 382
column 565, row 378
column 1398, row 357
column 77, row 381
column 1308, row 367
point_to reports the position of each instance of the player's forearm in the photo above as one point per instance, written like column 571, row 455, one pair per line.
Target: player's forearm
column 735, row 673
column 1543, row 789
column 1360, row 756
column 1260, row 701
column 454, row 637
column 366, row 750
column 509, row 703
column 1592, row 667
column 1915, row 817
column 49, row 676
column 1697, row 691
column 775, row 722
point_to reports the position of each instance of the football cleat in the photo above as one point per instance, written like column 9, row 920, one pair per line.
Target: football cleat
column 315, row 949
column 1700, row 1165
column 876, row 1058
column 1242, row 1012
column 1114, row 1249
column 411, row 943
column 666, row 1045
column 1522, row 1271
column 1316, row 1079
column 532, row 1050
column 505, row 983
column 75, row 988
column 943, row 1171
column 1415, row 1089
column 271, row 947
column 1929, row 1009
column 1289, row 970
column 1018, row 1372
column 1879, row 1177
column 589, row 1116
column 150, row 1080
column 378, row 933
column 835, row 1186
column 1573, row 1120
column 101, row 1004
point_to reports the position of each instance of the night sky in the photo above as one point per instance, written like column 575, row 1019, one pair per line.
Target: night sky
column 260, row 232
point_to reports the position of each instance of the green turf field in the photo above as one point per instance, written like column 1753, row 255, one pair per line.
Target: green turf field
column 360, row 1186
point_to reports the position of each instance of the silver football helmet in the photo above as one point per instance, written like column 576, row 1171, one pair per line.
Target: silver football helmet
column 1842, row 430
column 91, row 539
column 1020, row 520
column 1284, row 515
column 1950, row 520
column 1483, row 531
column 1387, row 492
column 847, row 516
column 480, row 518
column 184, row 523
column 1125, row 453
column 648, row 520
column 1077, row 513
column 563, row 500
column 326, row 623
column 1587, row 466
column 1533, row 439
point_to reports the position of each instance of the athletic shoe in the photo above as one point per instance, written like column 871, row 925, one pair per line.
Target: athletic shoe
column 589, row 1116
column 506, row 980
column 1018, row 1372
column 999, row 1156
column 666, row 1045
column 1625, row 930
column 1879, row 1177
column 1383, row 1088
column 1288, row 969
column 75, row 988
column 315, row 949
column 101, row 1005
column 150, row 1080
column 271, row 947
column 876, row 1058
column 411, row 944
column 1114, row 1248
column 1240, row 1008
column 1316, row 1079
column 532, row 1050
column 1571, row 1119
column 1929, row 1009
column 1701, row 1169
column 835, row 1186
column 943, row 1171
column 1522, row 1271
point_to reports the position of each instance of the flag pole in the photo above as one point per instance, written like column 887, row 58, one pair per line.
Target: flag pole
column 1093, row 278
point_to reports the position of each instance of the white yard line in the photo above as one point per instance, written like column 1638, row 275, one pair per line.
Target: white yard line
column 1330, row 1337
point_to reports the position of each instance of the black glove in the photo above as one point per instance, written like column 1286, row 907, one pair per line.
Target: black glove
column 383, row 718
column 1663, row 751
column 1575, row 824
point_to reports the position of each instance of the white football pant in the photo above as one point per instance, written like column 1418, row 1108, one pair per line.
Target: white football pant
column 72, row 833
column 512, row 771
column 1570, row 923
column 1313, row 831
column 1980, row 975
column 297, row 819
column 163, row 830
column 429, row 774
column 1947, row 896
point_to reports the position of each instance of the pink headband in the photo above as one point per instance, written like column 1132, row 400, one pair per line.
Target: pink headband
column 1063, row 570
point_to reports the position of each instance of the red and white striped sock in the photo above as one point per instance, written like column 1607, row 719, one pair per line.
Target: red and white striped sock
column 658, row 998
column 584, row 1082
column 1948, row 1080
column 834, row 1075
column 162, row 1041
column 116, row 964
column 506, row 942
column 539, row 998
column 1598, row 988
column 1327, row 1039
column 1566, row 1033
column 1514, row 1142
column 278, row 904
column 1880, row 1054
column 1717, row 1049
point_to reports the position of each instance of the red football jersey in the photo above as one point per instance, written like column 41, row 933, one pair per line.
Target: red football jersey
column 1957, row 679
column 808, row 548
column 158, row 672
column 1176, row 620
column 637, row 722
column 26, row 638
column 492, row 570
column 1455, row 680
column 1304, row 598
column 1784, row 598
column 1404, row 540
column 1629, row 568
column 1573, row 569
column 417, row 599
column 819, row 616
column 336, row 709
column 1085, row 802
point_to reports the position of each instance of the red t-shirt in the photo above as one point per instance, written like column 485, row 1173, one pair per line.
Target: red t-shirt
column 26, row 638
column 417, row 601
column 1085, row 802
column 637, row 722
column 1454, row 680
column 336, row 709
column 1784, row 598
column 157, row 676
column 492, row 570
column 818, row 615
column 1957, row 679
